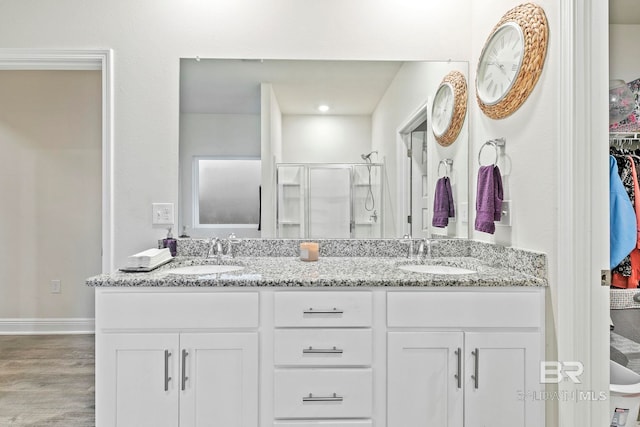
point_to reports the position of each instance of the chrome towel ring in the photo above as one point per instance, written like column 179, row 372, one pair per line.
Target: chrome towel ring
column 447, row 166
column 495, row 143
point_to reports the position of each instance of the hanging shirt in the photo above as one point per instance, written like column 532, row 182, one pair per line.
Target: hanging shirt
column 622, row 218
column 631, row 281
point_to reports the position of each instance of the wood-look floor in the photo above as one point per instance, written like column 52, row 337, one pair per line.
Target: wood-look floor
column 47, row 380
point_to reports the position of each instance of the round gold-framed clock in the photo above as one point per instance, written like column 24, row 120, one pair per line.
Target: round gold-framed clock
column 512, row 60
column 449, row 108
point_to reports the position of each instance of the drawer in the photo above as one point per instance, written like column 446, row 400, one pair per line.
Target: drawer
column 335, row 393
column 177, row 310
column 355, row 423
column 464, row 309
column 323, row 309
column 323, row 347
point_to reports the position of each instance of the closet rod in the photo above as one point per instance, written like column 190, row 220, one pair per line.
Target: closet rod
column 620, row 138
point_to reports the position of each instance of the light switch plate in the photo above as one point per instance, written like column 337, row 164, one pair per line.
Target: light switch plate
column 56, row 286
column 162, row 213
column 505, row 218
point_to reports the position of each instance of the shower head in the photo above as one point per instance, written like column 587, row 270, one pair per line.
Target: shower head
column 367, row 157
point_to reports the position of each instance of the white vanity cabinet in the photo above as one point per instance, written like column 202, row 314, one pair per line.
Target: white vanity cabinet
column 464, row 358
column 319, row 357
column 422, row 384
column 201, row 371
column 322, row 357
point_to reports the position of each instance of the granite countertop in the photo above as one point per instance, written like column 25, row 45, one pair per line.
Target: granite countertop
column 327, row 271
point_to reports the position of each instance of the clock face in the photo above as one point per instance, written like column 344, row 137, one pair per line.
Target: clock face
column 442, row 111
column 500, row 63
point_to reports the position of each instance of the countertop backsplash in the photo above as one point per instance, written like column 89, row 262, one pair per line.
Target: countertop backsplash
column 523, row 261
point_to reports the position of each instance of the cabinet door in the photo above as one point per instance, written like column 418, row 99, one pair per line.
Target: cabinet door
column 219, row 378
column 423, row 387
column 138, row 374
column 505, row 370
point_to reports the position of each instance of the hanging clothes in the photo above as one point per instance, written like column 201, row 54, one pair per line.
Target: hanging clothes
column 622, row 218
column 626, row 176
column 618, row 280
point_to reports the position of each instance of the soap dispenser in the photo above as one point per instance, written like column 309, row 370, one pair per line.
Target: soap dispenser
column 170, row 243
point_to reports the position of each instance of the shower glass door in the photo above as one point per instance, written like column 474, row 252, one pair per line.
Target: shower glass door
column 329, row 202
column 325, row 201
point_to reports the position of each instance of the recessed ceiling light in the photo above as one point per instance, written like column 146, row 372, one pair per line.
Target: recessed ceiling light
column 323, row 108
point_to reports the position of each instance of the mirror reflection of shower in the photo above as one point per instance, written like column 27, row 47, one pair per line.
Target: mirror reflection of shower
column 370, row 201
column 327, row 200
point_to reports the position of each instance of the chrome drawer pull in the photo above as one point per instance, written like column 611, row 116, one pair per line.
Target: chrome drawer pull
column 312, row 350
column 167, row 378
column 185, row 353
column 312, row 398
column 323, row 311
column 458, row 376
column 476, row 356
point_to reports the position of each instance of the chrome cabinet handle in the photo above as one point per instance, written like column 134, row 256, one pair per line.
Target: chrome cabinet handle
column 312, row 398
column 185, row 353
column 323, row 311
column 167, row 378
column 458, row 376
column 476, row 356
column 312, row 350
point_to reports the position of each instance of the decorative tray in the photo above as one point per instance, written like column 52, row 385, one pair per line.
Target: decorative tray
column 145, row 269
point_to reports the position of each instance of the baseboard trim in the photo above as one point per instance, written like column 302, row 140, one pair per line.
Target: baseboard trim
column 49, row 326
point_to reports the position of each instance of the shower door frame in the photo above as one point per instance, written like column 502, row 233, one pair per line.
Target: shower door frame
column 306, row 226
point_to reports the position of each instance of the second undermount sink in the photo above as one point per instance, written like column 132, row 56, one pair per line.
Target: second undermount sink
column 204, row 269
column 435, row 269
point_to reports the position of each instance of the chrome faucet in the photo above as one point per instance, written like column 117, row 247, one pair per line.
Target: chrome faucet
column 215, row 248
column 232, row 240
column 428, row 244
column 407, row 239
column 220, row 248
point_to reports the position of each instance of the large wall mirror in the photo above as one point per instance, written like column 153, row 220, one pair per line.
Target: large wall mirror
column 364, row 125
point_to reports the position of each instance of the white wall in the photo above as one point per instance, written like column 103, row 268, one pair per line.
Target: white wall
column 414, row 85
column 530, row 158
column 529, row 162
column 271, row 153
column 50, row 192
column 148, row 38
column 624, row 52
column 325, row 139
column 223, row 135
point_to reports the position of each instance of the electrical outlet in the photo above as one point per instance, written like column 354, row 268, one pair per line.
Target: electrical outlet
column 505, row 218
column 56, row 286
column 463, row 213
column 162, row 213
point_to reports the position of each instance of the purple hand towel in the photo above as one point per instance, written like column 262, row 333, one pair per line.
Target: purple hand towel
column 488, row 199
column 442, row 203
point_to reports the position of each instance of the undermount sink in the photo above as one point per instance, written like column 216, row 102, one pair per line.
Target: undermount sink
column 205, row 269
column 435, row 269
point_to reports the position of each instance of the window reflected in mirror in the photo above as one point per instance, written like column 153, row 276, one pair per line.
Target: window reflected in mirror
column 226, row 193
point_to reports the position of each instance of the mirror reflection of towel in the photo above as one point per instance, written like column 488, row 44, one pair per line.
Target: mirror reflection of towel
column 443, row 207
column 488, row 199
